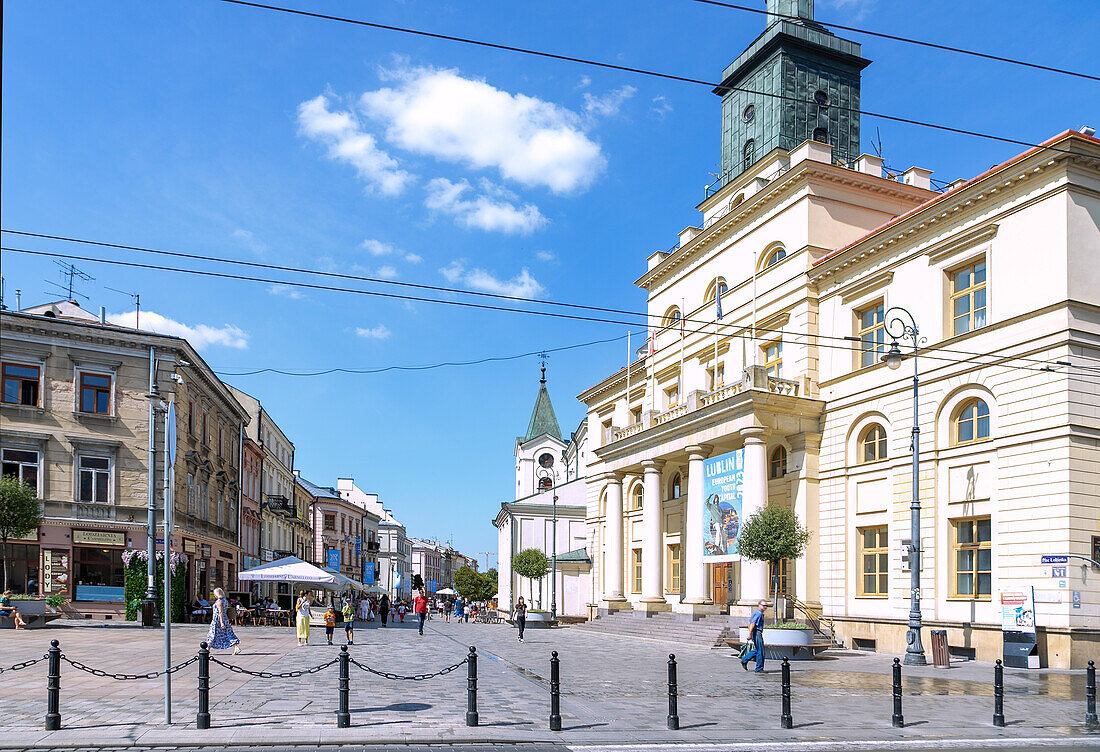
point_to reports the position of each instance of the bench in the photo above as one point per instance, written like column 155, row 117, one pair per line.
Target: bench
column 36, row 613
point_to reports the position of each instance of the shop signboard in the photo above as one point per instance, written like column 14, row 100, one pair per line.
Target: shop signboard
column 723, row 478
column 1018, row 628
column 99, row 538
column 55, row 571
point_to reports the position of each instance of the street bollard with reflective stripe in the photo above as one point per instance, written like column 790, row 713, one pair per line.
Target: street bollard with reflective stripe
column 898, row 720
column 998, row 694
column 343, row 715
column 202, row 719
column 471, row 687
column 53, row 688
column 786, row 721
column 555, row 690
column 673, row 715
column 1091, row 721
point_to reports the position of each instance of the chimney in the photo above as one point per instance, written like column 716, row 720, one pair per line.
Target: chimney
column 102, row 315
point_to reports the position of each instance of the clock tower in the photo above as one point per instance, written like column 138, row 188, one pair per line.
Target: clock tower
column 796, row 81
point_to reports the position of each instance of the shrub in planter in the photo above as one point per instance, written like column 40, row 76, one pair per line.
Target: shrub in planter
column 135, row 561
column 790, row 625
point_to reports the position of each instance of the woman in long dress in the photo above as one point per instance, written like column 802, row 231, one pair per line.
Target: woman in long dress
column 302, row 610
column 221, row 636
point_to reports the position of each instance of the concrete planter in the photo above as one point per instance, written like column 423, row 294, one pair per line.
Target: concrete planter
column 540, row 620
column 783, row 638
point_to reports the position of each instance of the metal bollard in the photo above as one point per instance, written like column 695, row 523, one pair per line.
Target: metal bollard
column 1091, row 721
column 202, row 719
column 998, row 694
column 898, row 720
column 471, row 687
column 555, row 690
column 343, row 716
column 673, row 715
column 53, row 688
column 785, row 720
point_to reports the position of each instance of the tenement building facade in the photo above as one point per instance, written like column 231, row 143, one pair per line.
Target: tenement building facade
column 763, row 381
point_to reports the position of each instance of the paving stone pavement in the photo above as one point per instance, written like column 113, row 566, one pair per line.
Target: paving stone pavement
column 613, row 691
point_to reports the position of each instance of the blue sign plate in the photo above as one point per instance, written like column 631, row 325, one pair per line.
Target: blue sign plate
column 1055, row 559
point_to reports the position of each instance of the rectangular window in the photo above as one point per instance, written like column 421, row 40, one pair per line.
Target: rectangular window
column 636, row 416
column 94, row 480
column 968, row 298
column 221, row 442
column 871, row 330
column 330, row 522
column 205, row 435
column 773, row 359
column 672, row 396
column 21, row 384
column 716, row 380
column 95, row 393
column 673, row 584
column 190, row 417
column 972, row 562
column 636, row 570
column 874, row 558
column 23, row 464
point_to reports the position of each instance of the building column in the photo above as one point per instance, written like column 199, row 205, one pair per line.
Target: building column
column 692, row 566
column 754, row 497
column 613, row 538
column 806, row 448
column 653, row 585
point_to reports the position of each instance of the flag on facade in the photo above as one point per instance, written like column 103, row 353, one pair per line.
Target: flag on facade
column 718, row 299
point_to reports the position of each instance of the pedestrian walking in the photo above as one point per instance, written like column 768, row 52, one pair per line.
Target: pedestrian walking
column 384, row 609
column 364, row 610
column 401, row 610
column 349, row 622
column 220, row 636
column 756, row 637
column 330, row 623
column 420, row 606
column 447, row 608
column 519, row 616
column 301, row 609
column 466, row 613
column 458, row 609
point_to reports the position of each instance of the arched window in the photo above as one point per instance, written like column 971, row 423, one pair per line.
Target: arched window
column 674, row 487
column 775, row 257
column 545, row 483
column 636, row 497
column 821, row 135
column 748, row 155
column 778, row 464
column 872, row 444
column 971, row 422
column 672, row 316
column 718, row 286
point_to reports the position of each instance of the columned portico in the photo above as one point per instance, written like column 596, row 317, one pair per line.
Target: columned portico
column 805, row 491
column 695, row 571
column 754, row 574
column 652, row 553
column 613, row 558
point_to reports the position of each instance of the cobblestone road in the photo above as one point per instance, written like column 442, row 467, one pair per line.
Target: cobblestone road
column 613, row 689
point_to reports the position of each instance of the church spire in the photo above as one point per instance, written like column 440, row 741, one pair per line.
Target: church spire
column 543, row 420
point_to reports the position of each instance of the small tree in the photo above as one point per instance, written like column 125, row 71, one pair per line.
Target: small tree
column 488, row 585
column 19, row 514
column 418, row 582
column 773, row 534
column 467, row 583
column 533, row 565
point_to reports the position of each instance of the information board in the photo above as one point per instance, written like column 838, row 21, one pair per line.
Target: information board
column 723, row 480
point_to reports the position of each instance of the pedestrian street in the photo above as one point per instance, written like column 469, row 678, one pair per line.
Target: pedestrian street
column 612, row 688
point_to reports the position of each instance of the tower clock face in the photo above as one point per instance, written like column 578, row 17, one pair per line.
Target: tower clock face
column 546, row 460
column 821, row 98
column 748, row 113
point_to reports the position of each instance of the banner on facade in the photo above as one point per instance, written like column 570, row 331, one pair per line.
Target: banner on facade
column 334, row 559
column 1018, row 611
column 368, row 574
column 723, row 478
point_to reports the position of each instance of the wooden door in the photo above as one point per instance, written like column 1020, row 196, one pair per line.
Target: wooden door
column 720, row 579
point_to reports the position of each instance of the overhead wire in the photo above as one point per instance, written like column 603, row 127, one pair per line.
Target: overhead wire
column 630, row 69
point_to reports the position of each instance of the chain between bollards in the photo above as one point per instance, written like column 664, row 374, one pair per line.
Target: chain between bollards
column 471, row 687
column 673, row 715
column 1091, row 721
column 555, row 690
column 998, row 694
column 785, row 720
column 53, row 688
column 343, row 715
column 202, row 718
column 898, row 720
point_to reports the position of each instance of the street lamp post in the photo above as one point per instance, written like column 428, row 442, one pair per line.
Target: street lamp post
column 546, row 470
column 899, row 328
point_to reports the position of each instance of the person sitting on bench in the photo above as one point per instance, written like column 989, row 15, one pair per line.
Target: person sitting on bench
column 6, row 609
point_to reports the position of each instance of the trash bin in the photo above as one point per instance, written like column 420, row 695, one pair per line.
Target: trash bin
column 148, row 614
column 941, row 656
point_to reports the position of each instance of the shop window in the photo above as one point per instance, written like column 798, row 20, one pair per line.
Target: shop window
column 971, row 422
column 23, row 464
column 21, row 384
column 636, row 570
column 22, row 562
column 773, row 359
column 95, row 393
column 874, row 557
column 871, row 331
column 968, row 298
column 778, row 463
column 872, row 444
column 972, row 562
column 672, row 584
column 94, row 480
column 98, row 574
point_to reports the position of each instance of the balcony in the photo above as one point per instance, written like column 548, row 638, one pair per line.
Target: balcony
column 279, row 505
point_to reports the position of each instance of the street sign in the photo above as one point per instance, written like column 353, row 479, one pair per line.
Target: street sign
column 1077, row 599
column 1058, row 571
column 1055, row 560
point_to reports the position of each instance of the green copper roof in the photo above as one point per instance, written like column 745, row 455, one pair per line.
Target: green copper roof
column 543, row 419
column 579, row 555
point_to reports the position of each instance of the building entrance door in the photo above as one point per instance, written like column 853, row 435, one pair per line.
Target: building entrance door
column 720, row 579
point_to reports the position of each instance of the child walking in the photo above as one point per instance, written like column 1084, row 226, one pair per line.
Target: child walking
column 330, row 623
column 349, row 622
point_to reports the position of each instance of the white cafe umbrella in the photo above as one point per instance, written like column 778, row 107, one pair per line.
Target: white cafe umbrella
column 291, row 569
column 445, row 591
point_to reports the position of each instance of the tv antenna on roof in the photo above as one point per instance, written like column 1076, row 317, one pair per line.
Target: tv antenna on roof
column 137, row 304
column 70, row 274
column 877, row 144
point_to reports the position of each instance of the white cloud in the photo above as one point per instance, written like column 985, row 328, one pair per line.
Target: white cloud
column 493, row 211
column 387, row 272
column 286, row 291
column 250, row 241
column 376, row 247
column 584, row 83
column 661, row 106
column 854, row 10
column 347, row 142
column 468, row 121
column 200, row 336
column 413, row 258
column 546, row 256
column 522, row 285
column 377, row 332
column 608, row 104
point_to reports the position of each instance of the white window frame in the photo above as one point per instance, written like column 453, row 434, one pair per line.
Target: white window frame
column 77, row 470
column 37, row 465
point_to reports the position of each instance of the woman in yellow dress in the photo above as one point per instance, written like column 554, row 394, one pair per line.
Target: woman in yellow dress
column 301, row 608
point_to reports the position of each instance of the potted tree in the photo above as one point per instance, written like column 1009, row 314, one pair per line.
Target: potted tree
column 532, row 564
column 19, row 514
column 771, row 535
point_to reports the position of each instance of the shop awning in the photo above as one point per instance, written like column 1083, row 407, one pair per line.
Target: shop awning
column 343, row 582
column 292, row 569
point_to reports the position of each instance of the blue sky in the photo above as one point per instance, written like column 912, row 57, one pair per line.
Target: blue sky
column 240, row 133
